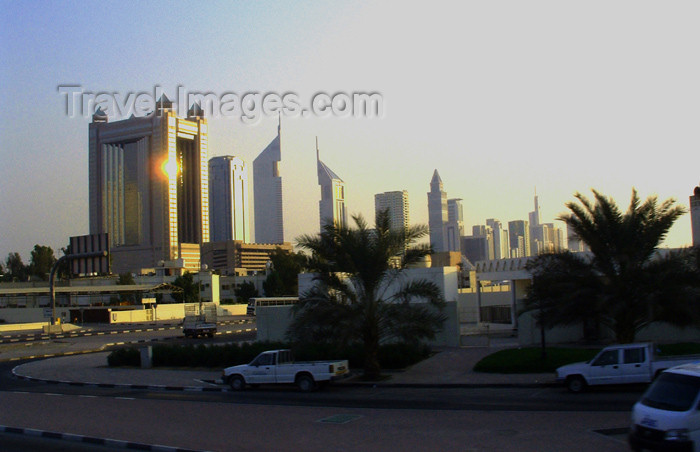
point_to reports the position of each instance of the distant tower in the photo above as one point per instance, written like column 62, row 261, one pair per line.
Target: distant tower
column 331, row 207
column 267, row 193
column 538, row 232
column 695, row 215
column 437, row 214
column 519, row 237
column 397, row 203
column 229, row 216
column 501, row 241
column 454, row 228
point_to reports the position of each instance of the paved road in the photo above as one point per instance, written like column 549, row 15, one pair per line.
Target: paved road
column 228, row 426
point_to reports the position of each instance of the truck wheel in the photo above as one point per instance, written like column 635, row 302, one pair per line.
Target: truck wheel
column 237, row 383
column 306, row 383
column 575, row 384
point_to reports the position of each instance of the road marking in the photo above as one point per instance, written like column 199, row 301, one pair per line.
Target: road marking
column 125, row 398
column 87, row 396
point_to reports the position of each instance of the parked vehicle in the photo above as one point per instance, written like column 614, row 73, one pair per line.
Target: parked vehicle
column 195, row 326
column 667, row 417
column 278, row 366
column 618, row 364
column 200, row 320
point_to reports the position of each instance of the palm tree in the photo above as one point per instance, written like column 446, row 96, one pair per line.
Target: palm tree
column 625, row 283
column 363, row 295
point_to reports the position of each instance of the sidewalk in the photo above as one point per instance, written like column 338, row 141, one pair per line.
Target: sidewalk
column 450, row 366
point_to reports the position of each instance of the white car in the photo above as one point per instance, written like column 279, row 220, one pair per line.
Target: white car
column 667, row 417
column 619, row 364
column 278, row 366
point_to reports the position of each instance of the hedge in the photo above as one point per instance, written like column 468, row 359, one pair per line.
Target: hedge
column 391, row 356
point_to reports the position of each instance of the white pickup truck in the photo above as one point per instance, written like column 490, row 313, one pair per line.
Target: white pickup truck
column 618, row 364
column 278, row 366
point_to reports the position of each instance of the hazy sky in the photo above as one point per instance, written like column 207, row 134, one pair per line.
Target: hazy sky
column 500, row 97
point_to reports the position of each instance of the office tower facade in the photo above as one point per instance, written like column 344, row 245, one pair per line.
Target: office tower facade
column 149, row 186
column 695, row 215
column 437, row 214
column 519, row 236
column 396, row 202
column 267, row 193
column 228, row 199
column 574, row 243
column 501, row 241
column 454, row 228
column 331, row 207
column 485, row 232
column 475, row 248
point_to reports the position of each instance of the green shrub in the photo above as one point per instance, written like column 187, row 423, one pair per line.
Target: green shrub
column 124, row 357
column 391, row 356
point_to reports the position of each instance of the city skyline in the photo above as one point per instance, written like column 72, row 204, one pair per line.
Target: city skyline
column 535, row 100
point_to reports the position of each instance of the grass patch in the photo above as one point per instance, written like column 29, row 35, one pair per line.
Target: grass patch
column 529, row 360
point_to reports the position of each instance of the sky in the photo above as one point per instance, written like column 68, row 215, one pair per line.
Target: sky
column 502, row 98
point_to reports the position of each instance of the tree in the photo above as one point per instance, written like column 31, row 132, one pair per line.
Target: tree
column 362, row 295
column 283, row 277
column 245, row 292
column 190, row 289
column 16, row 270
column 625, row 283
column 126, row 279
column 42, row 260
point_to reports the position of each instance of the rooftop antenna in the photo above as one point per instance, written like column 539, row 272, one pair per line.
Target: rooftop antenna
column 317, row 152
column 279, row 123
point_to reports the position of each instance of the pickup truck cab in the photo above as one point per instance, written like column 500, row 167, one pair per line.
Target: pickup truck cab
column 618, row 364
column 667, row 417
column 278, row 366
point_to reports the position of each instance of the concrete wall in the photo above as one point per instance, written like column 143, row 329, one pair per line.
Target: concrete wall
column 273, row 322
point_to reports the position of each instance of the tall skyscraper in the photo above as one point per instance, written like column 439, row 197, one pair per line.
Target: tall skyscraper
column 695, row 215
column 149, row 186
column 519, row 235
column 485, row 232
column 501, row 241
column 267, row 193
column 454, row 227
column 331, row 207
column 437, row 214
column 228, row 199
column 397, row 203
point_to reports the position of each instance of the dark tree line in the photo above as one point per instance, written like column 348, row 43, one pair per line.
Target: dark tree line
column 626, row 282
column 41, row 260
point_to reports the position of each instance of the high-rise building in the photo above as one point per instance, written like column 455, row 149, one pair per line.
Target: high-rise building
column 454, row 228
column 437, row 214
column 331, row 207
column 267, row 193
column 501, row 241
column 149, row 186
column 575, row 244
column 228, row 199
column 695, row 215
column 519, row 235
column 486, row 232
column 397, row 204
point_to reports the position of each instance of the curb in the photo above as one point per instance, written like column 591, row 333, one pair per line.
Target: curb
column 91, row 440
column 113, row 344
column 339, row 384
